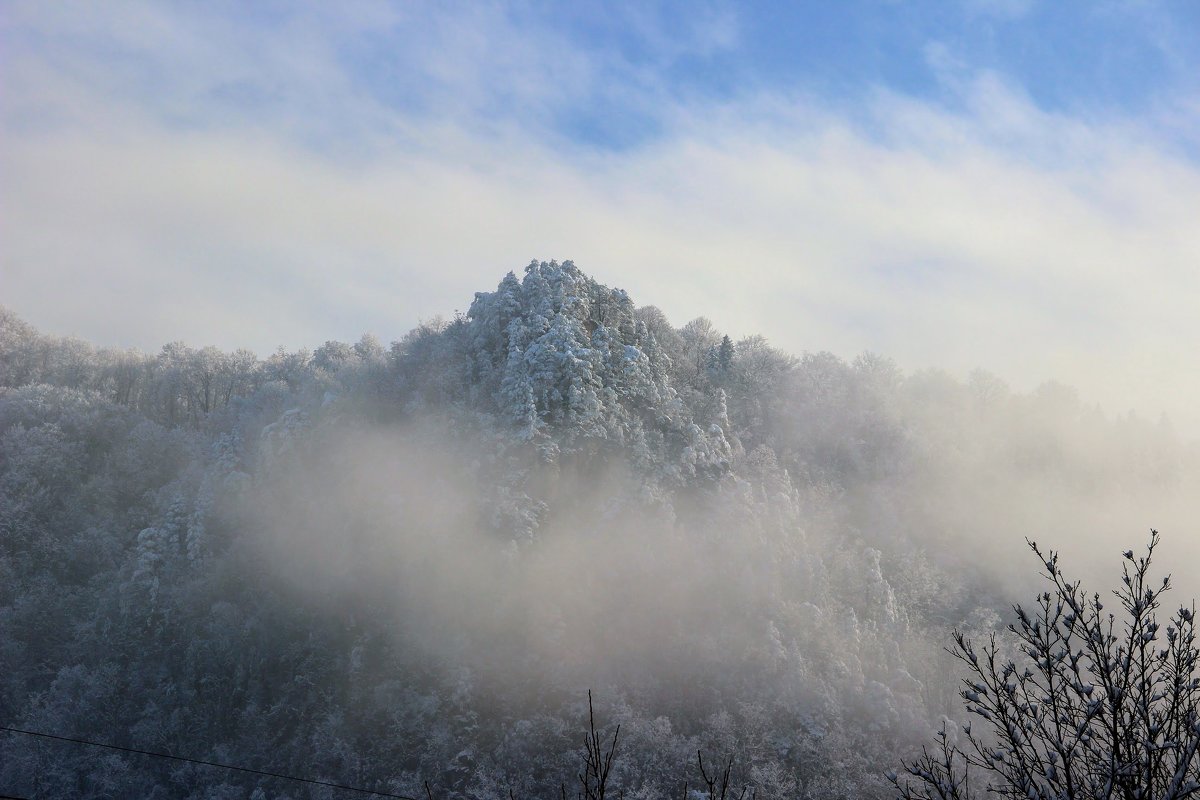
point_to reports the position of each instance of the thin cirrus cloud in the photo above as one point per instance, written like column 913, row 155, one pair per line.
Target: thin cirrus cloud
column 189, row 173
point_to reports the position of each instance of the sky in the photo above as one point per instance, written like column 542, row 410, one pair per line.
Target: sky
column 1012, row 185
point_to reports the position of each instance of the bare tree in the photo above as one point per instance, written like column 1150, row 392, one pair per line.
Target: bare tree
column 1098, row 705
column 717, row 784
column 597, row 760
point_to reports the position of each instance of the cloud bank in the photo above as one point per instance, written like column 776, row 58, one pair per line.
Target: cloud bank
column 303, row 175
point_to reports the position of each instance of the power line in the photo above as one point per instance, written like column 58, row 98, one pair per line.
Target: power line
column 204, row 763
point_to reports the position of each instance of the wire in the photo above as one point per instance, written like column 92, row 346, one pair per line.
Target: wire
column 205, row 763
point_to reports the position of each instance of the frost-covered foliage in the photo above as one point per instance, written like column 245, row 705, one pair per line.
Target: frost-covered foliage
column 385, row 566
column 563, row 363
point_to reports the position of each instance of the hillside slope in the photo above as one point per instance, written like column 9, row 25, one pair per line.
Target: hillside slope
column 384, row 566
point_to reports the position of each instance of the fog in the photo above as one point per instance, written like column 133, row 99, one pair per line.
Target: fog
column 606, row 589
column 397, row 523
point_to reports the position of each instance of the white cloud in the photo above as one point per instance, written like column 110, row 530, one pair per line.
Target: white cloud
column 1033, row 244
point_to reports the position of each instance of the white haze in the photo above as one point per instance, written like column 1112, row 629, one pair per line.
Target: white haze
column 396, row 522
column 979, row 232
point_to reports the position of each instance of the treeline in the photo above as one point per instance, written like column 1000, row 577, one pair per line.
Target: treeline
column 179, row 385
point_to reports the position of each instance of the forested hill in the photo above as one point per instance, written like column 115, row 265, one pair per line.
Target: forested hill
column 389, row 565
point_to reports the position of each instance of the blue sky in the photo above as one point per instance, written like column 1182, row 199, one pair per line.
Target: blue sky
column 1070, row 57
column 606, row 75
column 1006, row 184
